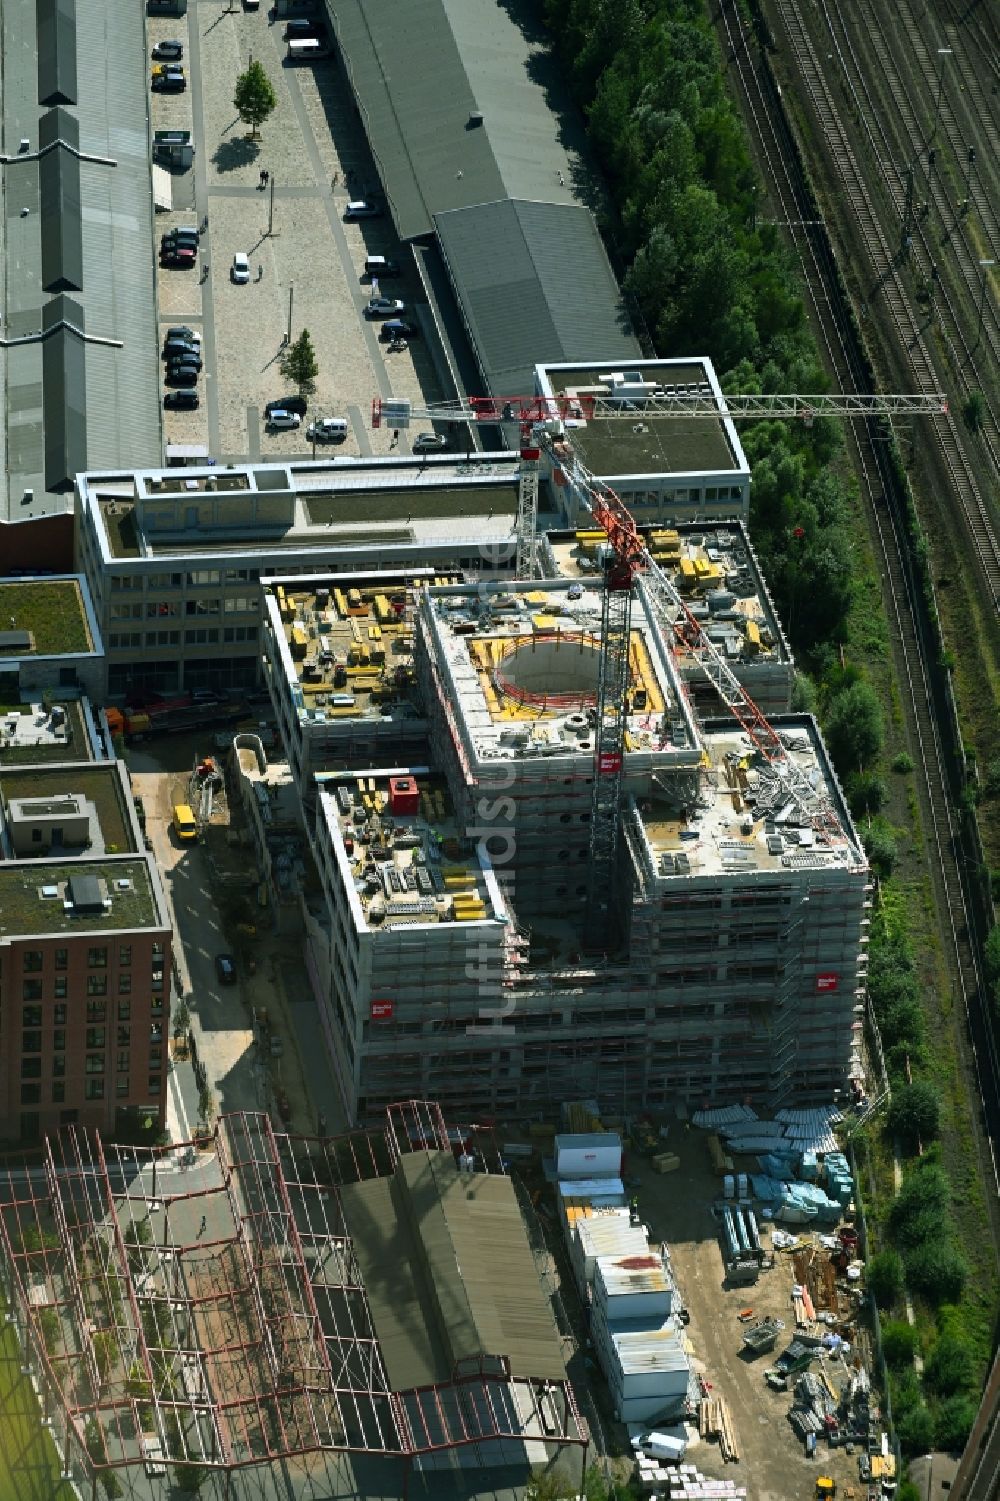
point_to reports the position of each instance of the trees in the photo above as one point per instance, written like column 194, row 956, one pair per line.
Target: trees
column 884, row 1274
column 949, row 1369
column 915, row 1429
column 915, row 1113
column 921, row 1207
column 254, row 99
column 899, row 1341
column 936, row 1270
column 299, row 364
column 854, row 726
column 955, row 1418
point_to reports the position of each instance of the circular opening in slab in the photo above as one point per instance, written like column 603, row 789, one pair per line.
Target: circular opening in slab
column 557, row 672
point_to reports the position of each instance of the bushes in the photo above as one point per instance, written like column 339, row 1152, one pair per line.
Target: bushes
column 936, row 1270
column 884, row 1274
column 854, row 727
column 899, row 1341
column 915, row 1114
column 949, row 1369
column 915, row 1429
column 953, row 1423
column 921, row 1207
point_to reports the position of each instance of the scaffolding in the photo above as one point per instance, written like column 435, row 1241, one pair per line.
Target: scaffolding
column 207, row 1308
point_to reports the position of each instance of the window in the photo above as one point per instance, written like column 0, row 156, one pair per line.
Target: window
column 156, row 1006
column 61, row 987
column 121, row 1086
column 32, row 961
column 97, row 984
column 96, row 1011
column 95, row 1063
column 31, row 1042
column 31, row 1016
column 201, row 607
column 201, row 637
column 32, row 990
column 126, row 583
column 31, row 1094
column 236, row 633
column 238, row 575
column 124, row 984
column 122, row 1062
column 59, row 1016
column 59, row 1038
column 203, row 576
column 165, row 581
column 93, row 1089
column 124, row 1036
column 161, row 610
column 156, row 1057
column 62, row 958
column 124, row 1011
column 241, row 604
column 125, row 640
column 31, row 1068
column 58, row 1092
column 154, row 1083
column 95, row 1037
column 124, row 954
column 156, row 983
column 58, row 1065
column 97, row 958
column 126, row 612
column 163, row 638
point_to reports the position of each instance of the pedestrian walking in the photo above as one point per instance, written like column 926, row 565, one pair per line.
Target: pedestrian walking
column 260, row 179
column 202, row 1227
column 267, row 177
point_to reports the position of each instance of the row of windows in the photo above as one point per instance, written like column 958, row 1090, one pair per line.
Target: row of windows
column 31, row 1041
column 31, row 1068
column 97, row 957
column 31, row 1016
column 237, row 604
column 131, row 583
column 33, row 990
column 31, row 1094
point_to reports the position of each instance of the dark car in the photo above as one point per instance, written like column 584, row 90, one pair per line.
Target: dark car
column 225, row 968
column 169, row 83
column 362, row 208
column 171, row 52
column 301, row 31
column 181, row 401
column 399, row 328
column 287, row 404
column 179, row 349
column 181, row 331
column 181, row 375
column 180, row 237
column 178, row 255
column 184, row 362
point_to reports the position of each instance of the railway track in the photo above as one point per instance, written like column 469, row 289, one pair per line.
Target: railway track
column 889, row 280
column 795, row 209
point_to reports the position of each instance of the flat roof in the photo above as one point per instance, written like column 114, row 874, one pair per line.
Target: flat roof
column 521, row 664
column 649, row 445
column 33, row 894
column 445, row 1261
column 52, row 610
column 716, row 571
column 405, row 858
column 744, row 820
column 29, row 735
column 98, row 782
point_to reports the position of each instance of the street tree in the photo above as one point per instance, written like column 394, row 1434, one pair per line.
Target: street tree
column 299, row 364
column 254, row 99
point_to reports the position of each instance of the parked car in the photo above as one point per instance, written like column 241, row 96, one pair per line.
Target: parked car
column 301, row 31
column 206, row 696
column 377, row 266
column 180, row 237
column 168, row 51
column 168, row 83
column 239, row 271
column 327, row 430
column 399, row 328
column 279, row 419
column 287, row 404
column 160, row 70
column 178, row 255
column 181, row 376
column 181, row 401
column 175, row 349
column 225, row 969
column 384, row 307
column 429, row 442
column 180, row 361
column 181, row 331
column 362, row 208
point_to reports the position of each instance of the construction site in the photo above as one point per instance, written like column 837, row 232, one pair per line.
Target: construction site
column 245, row 1304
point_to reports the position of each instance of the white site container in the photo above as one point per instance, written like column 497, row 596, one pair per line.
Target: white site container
column 605, row 1235
column 595, row 1154
column 632, row 1290
column 647, row 1369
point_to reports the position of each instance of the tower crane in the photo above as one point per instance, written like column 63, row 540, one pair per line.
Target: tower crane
column 546, row 424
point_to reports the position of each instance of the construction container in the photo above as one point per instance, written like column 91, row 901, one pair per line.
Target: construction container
column 404, row 796
column 635, row 1287
column 591, row 1155
column 647, row 1370
column 607, row 1234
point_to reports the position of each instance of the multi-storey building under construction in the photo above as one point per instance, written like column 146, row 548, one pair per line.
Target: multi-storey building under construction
column 452, row 958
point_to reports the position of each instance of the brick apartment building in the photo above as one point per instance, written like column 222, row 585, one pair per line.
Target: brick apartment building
column 84, row 955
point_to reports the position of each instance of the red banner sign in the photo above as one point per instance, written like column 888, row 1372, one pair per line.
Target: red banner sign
column 609, row 762
column 381, row 1011
column 827, row 982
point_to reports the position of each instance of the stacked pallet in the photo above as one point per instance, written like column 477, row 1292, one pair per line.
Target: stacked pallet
column 714, row 1421
column 687, row 1483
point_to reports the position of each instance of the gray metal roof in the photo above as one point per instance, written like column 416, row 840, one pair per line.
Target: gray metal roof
column 534, row 285
column 448, row 1272
column 76, row 405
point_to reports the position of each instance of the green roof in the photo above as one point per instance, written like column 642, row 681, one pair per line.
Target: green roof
column 24, row 912
column 413, row 502
column 52, row 610
column 98, row 783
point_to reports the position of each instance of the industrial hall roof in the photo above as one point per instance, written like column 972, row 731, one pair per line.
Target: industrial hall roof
column 455, row 97
column 448, row 1272
column 76, row 241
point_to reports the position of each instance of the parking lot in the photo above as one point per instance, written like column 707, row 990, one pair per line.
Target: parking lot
column 306, row 273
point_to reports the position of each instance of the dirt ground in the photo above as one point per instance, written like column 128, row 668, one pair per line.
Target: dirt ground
column 677, row 1209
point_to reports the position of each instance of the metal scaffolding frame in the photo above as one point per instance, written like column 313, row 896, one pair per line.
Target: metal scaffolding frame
column 256, row 1342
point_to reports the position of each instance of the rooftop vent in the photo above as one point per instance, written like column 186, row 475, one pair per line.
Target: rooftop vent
column 123, row 884
column 48, row 893
column 475, row 120
column 85, row 894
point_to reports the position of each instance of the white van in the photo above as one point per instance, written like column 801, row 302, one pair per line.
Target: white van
column 306, row 50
